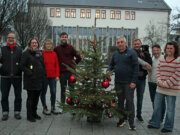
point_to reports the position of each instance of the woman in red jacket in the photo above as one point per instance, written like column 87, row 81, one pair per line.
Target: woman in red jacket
column 52, row 75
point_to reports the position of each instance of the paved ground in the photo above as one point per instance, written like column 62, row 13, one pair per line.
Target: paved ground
column 64, row 125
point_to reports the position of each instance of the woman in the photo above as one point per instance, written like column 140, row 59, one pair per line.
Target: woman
column 52, row 75
column 168, row 78
column 32, row 64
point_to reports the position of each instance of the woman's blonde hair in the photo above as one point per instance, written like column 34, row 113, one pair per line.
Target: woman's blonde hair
column 44, row 45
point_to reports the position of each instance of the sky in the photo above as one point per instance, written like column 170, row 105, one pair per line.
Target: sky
column 173, row 4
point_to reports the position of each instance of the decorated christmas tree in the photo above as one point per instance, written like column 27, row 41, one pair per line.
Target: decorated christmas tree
column 89, row 95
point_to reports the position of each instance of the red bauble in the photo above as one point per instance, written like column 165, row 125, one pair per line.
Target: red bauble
column 90, row 106
column 110, row 115
column 72, row 79
column 69, row 101
column 105, row 84
column 109, row 79
column 77, row 102
column 112, row 105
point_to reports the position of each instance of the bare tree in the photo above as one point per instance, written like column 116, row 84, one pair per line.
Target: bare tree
column 8, row 11
column 155, row 34
column 32, row 22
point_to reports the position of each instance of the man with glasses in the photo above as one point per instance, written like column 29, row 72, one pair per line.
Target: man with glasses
column 11, row 75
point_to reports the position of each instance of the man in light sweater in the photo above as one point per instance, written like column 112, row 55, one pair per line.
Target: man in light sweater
column 156, row 52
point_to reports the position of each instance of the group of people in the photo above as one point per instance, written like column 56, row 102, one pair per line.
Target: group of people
column 131, row 66
column 40, row 70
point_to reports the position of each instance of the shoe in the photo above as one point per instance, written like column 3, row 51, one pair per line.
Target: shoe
column 60, row 111
column 149, row 122
column 55, row 112
column 31, row 119
column 46, row 112
column 132, row 127
column 140, row 118
column 165, row 130
column 5, row 117
column 150, row 126
column 121, row 123
column 37, row 117
column 17, row 116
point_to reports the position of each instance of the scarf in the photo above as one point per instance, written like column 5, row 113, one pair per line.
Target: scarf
column 11, row 46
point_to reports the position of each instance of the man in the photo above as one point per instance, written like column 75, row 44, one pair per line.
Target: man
column 125, row 65
column 140, row 85
column 66, row 54
column 11, row 75
column 156, row 52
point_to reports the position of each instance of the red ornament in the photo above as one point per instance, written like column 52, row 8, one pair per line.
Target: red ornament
column 77, row 102
column 105, row 84
column 90, row 106
column 112, row 105
column 69, row 101
column 110, row 115
column 72, row 79
column 109, row 79
column 86, row 78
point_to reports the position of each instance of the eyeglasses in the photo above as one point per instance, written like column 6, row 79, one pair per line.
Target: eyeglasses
column 11, row 37
column 34, row 42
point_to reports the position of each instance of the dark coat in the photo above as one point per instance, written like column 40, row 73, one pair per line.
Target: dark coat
column 32, row 64
column 10, row 61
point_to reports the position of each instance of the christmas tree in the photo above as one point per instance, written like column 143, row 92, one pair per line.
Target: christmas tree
column 89, row 95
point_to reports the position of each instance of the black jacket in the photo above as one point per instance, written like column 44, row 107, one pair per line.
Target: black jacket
column 10, row 60
column 32, row 64
column 146, row 57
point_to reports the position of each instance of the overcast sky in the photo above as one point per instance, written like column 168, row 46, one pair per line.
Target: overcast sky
column 173, row 4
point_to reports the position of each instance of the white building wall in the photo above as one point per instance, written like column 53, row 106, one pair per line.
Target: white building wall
column 142, row 19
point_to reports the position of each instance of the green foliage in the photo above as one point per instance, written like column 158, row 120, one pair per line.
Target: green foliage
column 89, row 97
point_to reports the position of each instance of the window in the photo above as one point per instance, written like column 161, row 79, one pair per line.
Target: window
column 127, row 15
column 133, row 15
column 51, row 12
column 58, row 12
column 88, row 13
column 67, row 13
column 103, row 14
column 82, row 14
column 73, row 13
column 118, row 15
column 112, row 15
column 97, row 13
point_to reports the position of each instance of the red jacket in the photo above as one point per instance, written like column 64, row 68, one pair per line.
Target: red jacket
column 66, row 54
column 51, row 64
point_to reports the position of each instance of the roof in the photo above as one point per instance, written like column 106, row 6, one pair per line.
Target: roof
column 134, row 4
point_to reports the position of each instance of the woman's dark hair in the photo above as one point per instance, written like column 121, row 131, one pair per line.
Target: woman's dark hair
column 175, row 45
column 29, row 43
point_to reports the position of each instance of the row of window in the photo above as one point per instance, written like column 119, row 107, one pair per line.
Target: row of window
column 86, row 13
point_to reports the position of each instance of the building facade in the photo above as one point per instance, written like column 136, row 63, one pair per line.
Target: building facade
column 112, row 18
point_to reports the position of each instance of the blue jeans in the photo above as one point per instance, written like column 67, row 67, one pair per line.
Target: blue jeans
column 152, row 91
column 157, row 113
column 52, row 85
column 140, row 87
column 5, row 89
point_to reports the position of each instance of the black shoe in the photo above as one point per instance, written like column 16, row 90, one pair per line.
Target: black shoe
column 150, row 126
column 31, row 119
column 165, row 130
column 149, row 122
column 37, row 117
column 121, row 123
column 5, row 117
column 17, row 116
column 140, row 118
column 132, row 127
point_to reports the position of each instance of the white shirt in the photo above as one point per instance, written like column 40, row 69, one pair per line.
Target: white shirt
column 152, row 73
